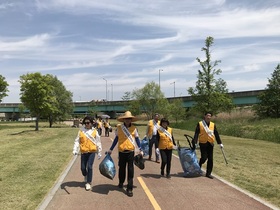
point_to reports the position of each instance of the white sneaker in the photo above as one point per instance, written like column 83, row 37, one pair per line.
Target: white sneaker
column 88, row 187
column 85, row 179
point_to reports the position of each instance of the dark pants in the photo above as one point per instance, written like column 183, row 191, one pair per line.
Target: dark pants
column 126, row 159
column 152, row 142
column 166, row 156
column 87, row 160
column 206, row 151
column 106, row 131
column 99, row 131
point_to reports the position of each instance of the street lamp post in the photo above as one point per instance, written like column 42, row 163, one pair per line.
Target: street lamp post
column 174, row 87
column 159, row 77
column 112, row 92
column 106, row 88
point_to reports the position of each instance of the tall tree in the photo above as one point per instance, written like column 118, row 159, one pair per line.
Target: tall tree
column 3, row 88
column 37, row 95
column 63, row 104
column 269, row 105
column 210, row 93
column 149, row 100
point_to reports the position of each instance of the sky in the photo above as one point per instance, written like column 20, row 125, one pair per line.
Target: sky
column 103, row 49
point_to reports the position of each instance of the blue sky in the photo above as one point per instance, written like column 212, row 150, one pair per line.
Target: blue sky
column 88, row 42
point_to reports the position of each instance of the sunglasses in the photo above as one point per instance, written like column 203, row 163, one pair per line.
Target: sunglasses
column 87, row 123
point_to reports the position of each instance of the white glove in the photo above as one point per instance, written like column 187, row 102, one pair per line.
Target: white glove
column 175, row 147
column 99, row 155
column 157, row 151
column 75, row 153
column 221, row 146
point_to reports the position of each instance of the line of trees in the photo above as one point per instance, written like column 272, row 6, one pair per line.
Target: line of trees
column 46, row 97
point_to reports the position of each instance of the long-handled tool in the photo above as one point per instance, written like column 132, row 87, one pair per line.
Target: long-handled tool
column 224, row 155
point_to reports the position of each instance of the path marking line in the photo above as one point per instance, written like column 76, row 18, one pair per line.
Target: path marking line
column 149, row 194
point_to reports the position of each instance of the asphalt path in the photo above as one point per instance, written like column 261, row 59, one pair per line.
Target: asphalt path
column 151, row 190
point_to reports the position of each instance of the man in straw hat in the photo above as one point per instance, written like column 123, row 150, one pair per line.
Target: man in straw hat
column 126, row 135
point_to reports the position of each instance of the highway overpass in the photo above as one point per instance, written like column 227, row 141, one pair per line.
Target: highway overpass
column 10, row 111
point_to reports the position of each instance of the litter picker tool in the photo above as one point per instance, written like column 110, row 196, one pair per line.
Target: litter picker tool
column 224, row 155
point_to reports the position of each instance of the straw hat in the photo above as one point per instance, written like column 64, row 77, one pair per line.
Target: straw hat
column 126, row 115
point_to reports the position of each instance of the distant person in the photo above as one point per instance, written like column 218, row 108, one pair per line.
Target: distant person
column 151, row 133
column 165, row 143
column 106, row 125
column 88, row 142
column 206, row 133
column 99, row 125
column 126, row 135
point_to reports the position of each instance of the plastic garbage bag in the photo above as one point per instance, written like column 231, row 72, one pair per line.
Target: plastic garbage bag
column 107, row 167
column 189, row 162
column 144, row 144
column 139, row 161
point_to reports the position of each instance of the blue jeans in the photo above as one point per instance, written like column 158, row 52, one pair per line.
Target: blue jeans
column 87, row 160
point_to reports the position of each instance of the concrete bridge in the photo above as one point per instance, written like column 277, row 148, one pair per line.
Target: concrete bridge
column 11, row 111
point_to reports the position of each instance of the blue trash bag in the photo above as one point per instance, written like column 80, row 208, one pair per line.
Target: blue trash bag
column 189, row 162
column 144, row 144
column 107, row 167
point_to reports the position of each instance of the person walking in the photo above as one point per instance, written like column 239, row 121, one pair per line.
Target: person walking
column 88, row 143
column 165, row 143
column 126, row 134
column 206, row 133
column 99, row 125
column 151, row 133
column 106, row 125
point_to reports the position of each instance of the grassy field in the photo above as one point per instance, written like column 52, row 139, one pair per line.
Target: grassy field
column 32, row 161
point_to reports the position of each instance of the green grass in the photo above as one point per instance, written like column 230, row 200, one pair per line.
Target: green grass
column 32, row 161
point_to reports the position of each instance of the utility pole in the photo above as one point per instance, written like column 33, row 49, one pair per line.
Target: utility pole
column 174, row 87
column 106, row 88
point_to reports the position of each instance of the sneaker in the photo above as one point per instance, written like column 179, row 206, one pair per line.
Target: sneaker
column 129, row 193
column 168, row 176
column 85, row 179
column 88, row 187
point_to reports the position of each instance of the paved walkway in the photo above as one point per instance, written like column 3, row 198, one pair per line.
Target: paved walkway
column 151, row 191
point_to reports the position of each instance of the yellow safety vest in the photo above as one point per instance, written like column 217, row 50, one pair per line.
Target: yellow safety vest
column 164, row 141
column 86, row 145
column 203, row 135
column 123, row 141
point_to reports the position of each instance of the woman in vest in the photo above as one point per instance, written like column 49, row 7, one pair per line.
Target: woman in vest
column 126, row 135
column 88, row 142
column 206, row 133
column 165, row 143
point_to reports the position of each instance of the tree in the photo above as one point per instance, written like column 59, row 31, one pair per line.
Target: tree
column 3, row 88
column 269, row 105
column 37, row 95
column 149, row 100
column 177, row 111
column 210, row 93
column 127, row 96
column 63, row 104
